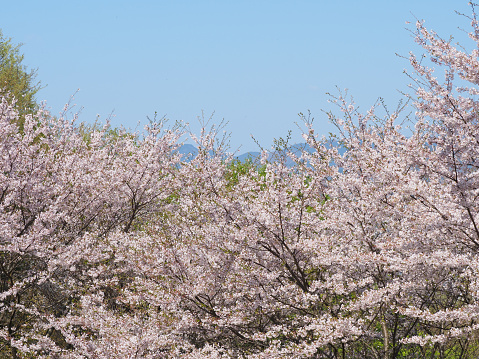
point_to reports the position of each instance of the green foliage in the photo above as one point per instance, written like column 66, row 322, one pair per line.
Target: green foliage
column 236, row 169
column 15, row 79
column 112, row 134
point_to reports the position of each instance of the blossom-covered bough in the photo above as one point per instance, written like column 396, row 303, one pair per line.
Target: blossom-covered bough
column 113, row 246
column 63, row 200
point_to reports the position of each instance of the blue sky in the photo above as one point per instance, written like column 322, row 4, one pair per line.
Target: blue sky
column 255, row 64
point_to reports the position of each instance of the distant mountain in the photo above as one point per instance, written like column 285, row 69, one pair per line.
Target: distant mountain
column 249, row 155
column 189, row 152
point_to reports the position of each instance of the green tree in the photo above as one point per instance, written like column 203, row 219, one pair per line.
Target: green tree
column 15, row 79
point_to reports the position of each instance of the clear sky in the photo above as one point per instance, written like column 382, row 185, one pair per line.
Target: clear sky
column 256, row 64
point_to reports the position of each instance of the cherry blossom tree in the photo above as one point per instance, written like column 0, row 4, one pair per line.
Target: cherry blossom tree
column 60, row 199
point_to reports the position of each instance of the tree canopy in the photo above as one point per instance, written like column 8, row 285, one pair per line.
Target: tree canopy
column 16, row 80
